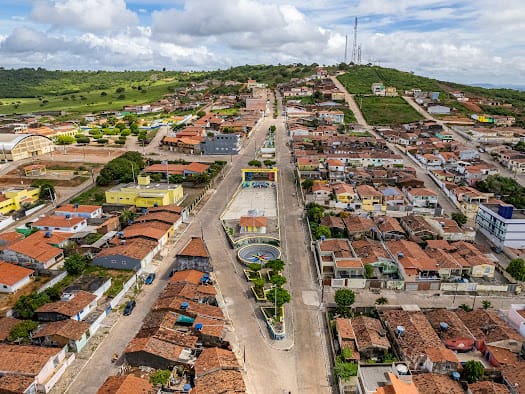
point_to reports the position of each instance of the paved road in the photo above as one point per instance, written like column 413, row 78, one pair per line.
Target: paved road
column 421, row 173
column 268, row 369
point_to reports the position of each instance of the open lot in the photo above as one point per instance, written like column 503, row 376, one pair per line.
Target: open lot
column 263, row 200
column 387, row 110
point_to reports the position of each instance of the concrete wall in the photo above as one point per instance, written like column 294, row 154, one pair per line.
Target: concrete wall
column 52, row 282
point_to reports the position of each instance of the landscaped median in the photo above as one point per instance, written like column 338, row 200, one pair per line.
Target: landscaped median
column 270, row 293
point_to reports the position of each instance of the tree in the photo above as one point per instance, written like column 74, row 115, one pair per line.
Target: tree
column 161, row 376
column 258, row 286
column 278, row 296
column 200, row 114
column 278, row 280
column 369, row 271
column 20, row 332
column 273, row 128
column 508, row 189
column 314, row 212
column 322, row 231
column 473, row 371
column 516, row 268
column 65, row 140
column 465, row 307
column 382, row 301
column 177, row 178
column 459, row 218
column 269, row 163
column 275, row 265
column 307, row 185
column 344, row 298
column 75, row 264
column 344, row 370
column 255, row 267
column 486, row 304
column 255, row 163
column 47, row 189
column 126, row 217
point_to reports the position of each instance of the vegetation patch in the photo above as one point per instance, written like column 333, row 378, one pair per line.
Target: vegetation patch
column 387, row 110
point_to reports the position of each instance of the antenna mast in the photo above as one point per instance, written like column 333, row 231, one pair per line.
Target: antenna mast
column 346, row 48
column 354, row 49
column 359, row 54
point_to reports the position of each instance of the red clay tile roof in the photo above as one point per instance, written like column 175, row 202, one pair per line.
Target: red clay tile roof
column 158, row 347
column 253, row 221
column 431, row 383
column 349, row 263
column 58, row 221
column 197, row 167
column 195, row 247
column 166, row 217
column 69, row 308
column 167, row 208
column 440, row 354
column 389, row 224
column 135, row 248
column 6, row 325
column 367, row 331
column 365, row 191
column 422, row 192
column 220, row 382
column 212, row 359
column 172, row 169
column 38, row 247
column 333, row 222
column 501, row 355
column 514, row 376
column 487, row 387
column 80, row 208
column 340, row 247
column 153, row 230
column 24, row 359
column 194, row 308
column 9, row 237
column 15, row 383
column 69, row 328
column 344, row 328
column 11, row 273
column 487, row 325
column 355, row 224
column 190, row 276
column 126, row 384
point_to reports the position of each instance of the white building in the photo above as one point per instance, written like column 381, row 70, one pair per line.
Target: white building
column 66, row 223
column 13, row 277
column 502, row 224
column 77, row 210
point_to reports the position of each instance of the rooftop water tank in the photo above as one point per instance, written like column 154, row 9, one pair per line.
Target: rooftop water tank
column 505, row 211
column 184, row 305
column 400, row 330
column 198, row 326
column 443, row 326
column 455, row 375
column 186, row 388
column 402, row 369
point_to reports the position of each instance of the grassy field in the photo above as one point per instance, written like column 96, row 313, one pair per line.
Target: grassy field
column 349, row 116
column 227, row 111
column 90, row 101
column 359, row 80
column 387, row 110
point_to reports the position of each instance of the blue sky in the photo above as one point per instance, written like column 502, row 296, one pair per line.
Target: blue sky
column 469, row 41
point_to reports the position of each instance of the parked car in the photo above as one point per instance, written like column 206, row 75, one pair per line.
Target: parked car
column 172, row 272
column 497, row 249
column 149, row 280
column 129, row 307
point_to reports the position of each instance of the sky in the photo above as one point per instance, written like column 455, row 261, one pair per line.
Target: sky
column 467, row 41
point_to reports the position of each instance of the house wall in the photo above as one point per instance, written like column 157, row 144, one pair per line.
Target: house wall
column 48, row 369
column 95, row 214
column 17, row 286
column 14, row 257
column 143, row 358
column 183, row 263
column 79, row 227
column 119, row 262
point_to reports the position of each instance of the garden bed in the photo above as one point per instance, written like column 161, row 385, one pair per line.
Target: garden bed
column 275, row 321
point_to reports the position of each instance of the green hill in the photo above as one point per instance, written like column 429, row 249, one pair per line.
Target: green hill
column 33, row 90
column 359, row 79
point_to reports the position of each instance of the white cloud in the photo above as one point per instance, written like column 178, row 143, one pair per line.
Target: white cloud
column 460, row 40
column 87, row 15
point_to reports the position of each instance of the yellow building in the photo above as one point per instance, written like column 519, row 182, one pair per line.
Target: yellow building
column 12, row 199
column 371, row 199
column 259, row 174
column 15, row 147
column 145, row 194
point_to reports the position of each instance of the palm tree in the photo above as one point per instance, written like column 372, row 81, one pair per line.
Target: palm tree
column 486, row 304
column 382, row 301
